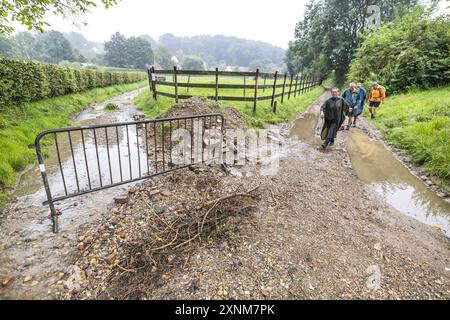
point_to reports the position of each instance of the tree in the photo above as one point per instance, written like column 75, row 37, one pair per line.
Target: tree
column 192, row 62
column 7, row 47
column 53, row 47
column 411, row 52
column 32, row 12
column 115, row 51
column 139, row 52
column 163, row 57
column 26, row 45
column 329, row 33
column 256, row 64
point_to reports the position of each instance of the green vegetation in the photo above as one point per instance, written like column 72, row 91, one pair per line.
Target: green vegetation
column 111, row 106
column 20, row 125
column 25, row 81
column 411, row 52
column 419, row 122
column 328, row 34
column 264, row 112
column 32, row 13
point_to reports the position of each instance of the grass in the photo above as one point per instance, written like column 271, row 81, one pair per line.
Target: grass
column 20, row 125
column 419, row 122
column 111, row 106
column 264, row 112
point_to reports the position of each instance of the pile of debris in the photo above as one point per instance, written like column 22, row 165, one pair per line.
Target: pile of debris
column 155, row 228
column 199, row 106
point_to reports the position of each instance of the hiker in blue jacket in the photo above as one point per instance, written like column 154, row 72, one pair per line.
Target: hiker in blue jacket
column 362, row 101
column 351, row 96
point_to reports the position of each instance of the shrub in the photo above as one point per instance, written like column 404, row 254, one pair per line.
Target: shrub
column 25, row 81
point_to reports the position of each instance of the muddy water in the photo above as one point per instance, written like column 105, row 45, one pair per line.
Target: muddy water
column 28, row 248
column 376, row 166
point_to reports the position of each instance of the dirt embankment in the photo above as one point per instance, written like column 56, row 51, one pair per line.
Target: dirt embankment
column 313, row 230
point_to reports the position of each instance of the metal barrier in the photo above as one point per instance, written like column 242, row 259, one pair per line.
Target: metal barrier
column 96, row 157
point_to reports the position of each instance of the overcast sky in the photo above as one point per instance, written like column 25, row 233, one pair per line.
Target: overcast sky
column 266, row 20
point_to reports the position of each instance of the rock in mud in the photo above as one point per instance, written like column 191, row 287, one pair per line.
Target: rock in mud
column 121, row 200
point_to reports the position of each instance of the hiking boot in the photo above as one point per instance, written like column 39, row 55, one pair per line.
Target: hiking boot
column 347, row 127
column 341, row 128
column 354, row 125
column 372, row 116
column 324, row 146
column 331, row 143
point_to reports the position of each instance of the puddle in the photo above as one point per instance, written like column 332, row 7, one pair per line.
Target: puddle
column 376, row 165
column 305, row 127
column 29, row 246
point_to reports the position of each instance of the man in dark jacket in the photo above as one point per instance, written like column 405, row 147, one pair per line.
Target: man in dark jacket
column 333, row 112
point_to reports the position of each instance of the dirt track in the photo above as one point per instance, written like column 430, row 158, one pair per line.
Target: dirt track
column 317, row 232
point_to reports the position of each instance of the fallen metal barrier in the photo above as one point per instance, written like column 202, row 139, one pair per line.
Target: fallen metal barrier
column 96, row 157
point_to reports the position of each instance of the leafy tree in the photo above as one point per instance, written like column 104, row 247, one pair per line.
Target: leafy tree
column 115, row 51
column 26, row 45
column 409, row 52
column 53, row 47
column 7, row 47
column 191, row 62
column 163, row 57
column 256, row 64
column 139, row 52
column 327, row 36
column 32, row 12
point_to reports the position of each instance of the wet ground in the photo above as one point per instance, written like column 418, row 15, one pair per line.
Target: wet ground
column 387, row 176
column 34, row 257
column 38, row 261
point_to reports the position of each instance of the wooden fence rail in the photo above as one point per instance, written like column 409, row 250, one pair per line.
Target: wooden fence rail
column 291, row 84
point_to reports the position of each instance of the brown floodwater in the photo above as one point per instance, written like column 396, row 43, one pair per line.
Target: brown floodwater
column 376, row 165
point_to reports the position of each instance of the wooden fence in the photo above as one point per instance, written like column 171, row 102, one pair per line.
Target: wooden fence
column 291, row 84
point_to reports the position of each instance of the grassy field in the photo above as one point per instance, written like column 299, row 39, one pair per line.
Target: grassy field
column 419, row 122
column 20, row 125
column 264, row 112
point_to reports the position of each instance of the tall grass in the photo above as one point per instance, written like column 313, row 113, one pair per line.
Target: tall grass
column 419, row 122
column 20, row 125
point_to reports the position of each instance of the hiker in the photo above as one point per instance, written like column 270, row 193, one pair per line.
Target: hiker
column 333, row 112
column 362, row 101
column 376, row 97
column 351, row 96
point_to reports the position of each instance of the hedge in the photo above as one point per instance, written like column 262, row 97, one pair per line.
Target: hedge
column 25, row 81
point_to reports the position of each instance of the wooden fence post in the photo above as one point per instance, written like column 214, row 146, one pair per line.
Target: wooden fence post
column 256, row 91
column 274, row 87
column 303, row 85
column 217, row 84
column 296, row 83
column 275, row 107
column 284, row 84
column 189, row 81
column 244, row 86
column 290, row 87
column 153, row 82
column 175, row 80
column 264, row 87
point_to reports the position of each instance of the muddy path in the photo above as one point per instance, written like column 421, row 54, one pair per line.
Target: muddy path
column 325, row 223
column 32, row 259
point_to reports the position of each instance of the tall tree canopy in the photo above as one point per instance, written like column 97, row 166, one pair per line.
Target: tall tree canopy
column 53, row 47
column 163, row 57
column 191, row 62
column 411, row 52
column 329, row 33
column 32, row 12
column 134, row 52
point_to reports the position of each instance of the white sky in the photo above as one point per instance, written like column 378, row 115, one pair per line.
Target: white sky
column 266, row 20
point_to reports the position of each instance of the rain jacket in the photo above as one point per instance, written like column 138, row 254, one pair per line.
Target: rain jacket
column 377, row 95
column 351, row 97
column 362, row 100
column 334, row 109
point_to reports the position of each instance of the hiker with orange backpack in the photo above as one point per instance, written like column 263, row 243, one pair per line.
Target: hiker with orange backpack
column 376, row 97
